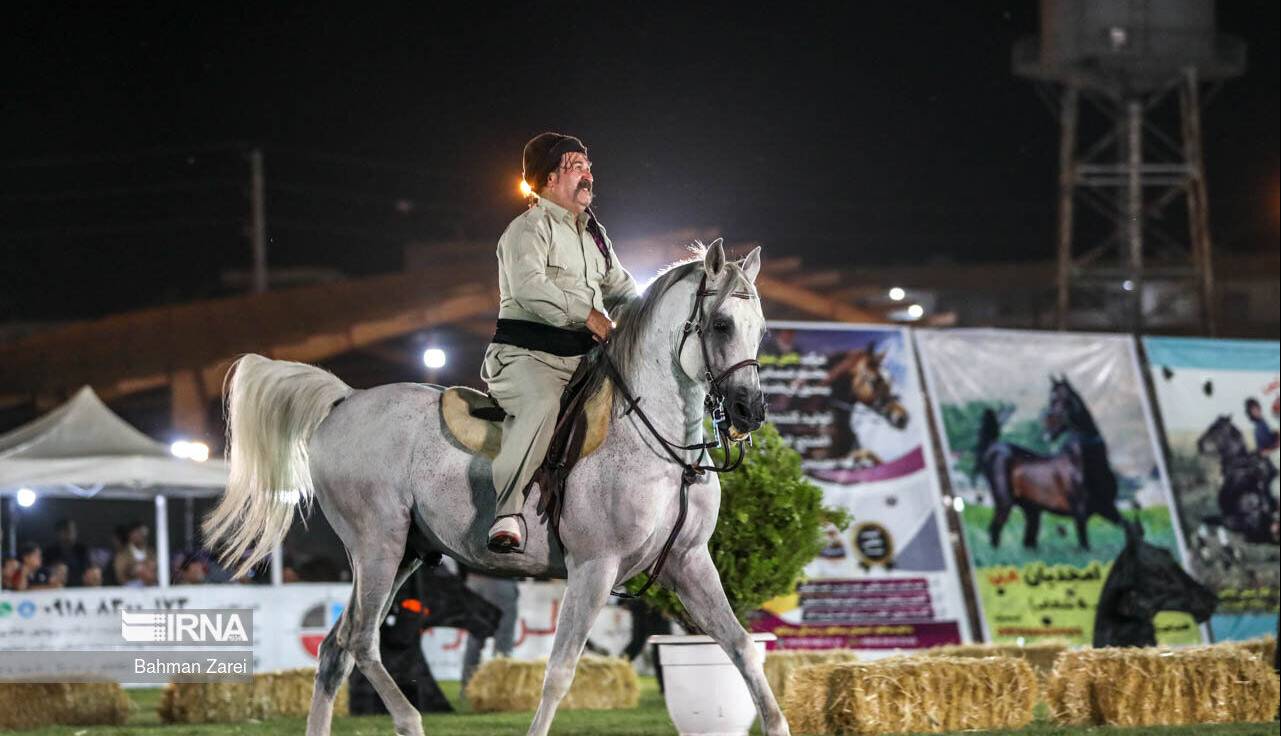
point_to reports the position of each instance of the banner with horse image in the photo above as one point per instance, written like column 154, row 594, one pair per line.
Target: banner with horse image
column 1050, row 449
column 1219, row 406
column 846, row 397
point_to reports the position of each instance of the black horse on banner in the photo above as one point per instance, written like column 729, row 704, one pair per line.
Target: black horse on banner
column 1246, row 504
column 1076, row 481
column 1145, row 579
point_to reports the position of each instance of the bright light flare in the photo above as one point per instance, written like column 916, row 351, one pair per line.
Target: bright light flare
column 434, row 358
column 197, row 451
column 897, row 294
column 525, row 189
column 26, row 497
column 916, row 311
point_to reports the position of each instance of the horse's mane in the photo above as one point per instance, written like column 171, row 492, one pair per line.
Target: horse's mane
column 1082, row 412
column 635, row 316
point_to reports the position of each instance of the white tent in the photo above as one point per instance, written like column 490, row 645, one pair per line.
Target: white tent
column 82, row 449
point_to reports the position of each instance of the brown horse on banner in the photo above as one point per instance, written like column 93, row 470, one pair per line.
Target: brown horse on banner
column 859, row 378
column 1076, row 481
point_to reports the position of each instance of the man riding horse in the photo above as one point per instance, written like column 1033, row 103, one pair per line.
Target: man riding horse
column 558, row 277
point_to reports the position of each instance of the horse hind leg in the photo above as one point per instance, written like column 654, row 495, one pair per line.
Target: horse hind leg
column 1031, row 526
column 999, row 517
column 380, row 564
column 585, row 594
column 332, row 671
column 336, row 661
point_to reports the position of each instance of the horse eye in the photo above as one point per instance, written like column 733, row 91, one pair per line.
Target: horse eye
column 721, row 325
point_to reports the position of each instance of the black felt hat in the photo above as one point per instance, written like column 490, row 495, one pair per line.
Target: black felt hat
column 543, row 153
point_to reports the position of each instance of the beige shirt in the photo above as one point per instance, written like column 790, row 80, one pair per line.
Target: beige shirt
column 550, row 270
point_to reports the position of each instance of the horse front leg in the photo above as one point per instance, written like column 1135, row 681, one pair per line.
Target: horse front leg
column 698, row 583
column 1082, row 518
column 586, row 592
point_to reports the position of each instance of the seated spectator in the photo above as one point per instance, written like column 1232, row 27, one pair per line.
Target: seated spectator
column 192, row 570
column 55, row 576
column 7, row 571
column 133, row 553
column 30, row 570
column 68, row 551
column 143, row 574
column 92, row 577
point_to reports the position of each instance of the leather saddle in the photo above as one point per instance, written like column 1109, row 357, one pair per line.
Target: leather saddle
column 476, row 422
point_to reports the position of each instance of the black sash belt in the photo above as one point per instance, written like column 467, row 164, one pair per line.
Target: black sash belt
column 544, row 338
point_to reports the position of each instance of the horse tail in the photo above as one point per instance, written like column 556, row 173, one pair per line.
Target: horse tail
column 989, row 432
column 273, row 407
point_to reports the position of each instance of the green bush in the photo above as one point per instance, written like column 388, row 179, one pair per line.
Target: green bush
column 770, row 526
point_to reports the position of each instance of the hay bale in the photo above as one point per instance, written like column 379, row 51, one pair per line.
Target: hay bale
column 600, row 683
column 912, row 695
column 781, row 663
column 280, row 694
column 808, row 691
column 1265, row 647
column 35, row 705
column 1157, row 686
column 1040, row 654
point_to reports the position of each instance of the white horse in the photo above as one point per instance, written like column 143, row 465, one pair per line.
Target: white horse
column 384, row 468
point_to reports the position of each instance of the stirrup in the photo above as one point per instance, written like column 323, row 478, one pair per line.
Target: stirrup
column 506, row 541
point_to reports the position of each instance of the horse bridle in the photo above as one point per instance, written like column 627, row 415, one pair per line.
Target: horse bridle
column 713, row 406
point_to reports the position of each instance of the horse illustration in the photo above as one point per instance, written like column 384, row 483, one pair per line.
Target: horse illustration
column 1076, row 481
column 1145, row 579
column 859, row 378
column 1245, row 500
column 398, row 487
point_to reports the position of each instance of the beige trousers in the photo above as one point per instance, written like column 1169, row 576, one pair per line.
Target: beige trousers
column 528, row 385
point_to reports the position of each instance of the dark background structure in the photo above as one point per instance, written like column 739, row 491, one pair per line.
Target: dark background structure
column 845, row 135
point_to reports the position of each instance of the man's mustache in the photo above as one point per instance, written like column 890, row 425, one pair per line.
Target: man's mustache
column 587, row 185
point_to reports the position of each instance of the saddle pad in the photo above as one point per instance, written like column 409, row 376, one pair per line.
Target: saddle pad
column 484, row 438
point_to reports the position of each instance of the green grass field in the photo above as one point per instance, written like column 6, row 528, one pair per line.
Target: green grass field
column 1057, row 543
column 648, row 719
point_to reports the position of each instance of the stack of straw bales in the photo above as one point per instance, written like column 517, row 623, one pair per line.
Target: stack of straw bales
column 781, row 663
column 31, row 705
column 270, row 695
column 1041, row 654
column 911, row 695
column 1148, row 687
column 600, row 683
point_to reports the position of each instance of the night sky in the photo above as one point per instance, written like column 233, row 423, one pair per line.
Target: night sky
column 873, row 133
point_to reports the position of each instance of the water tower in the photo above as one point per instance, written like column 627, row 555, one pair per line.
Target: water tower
column 1124, row 78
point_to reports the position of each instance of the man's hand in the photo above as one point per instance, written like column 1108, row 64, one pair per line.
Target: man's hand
column 599, row 325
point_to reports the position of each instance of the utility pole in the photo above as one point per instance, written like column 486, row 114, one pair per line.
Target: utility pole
column 258, row 220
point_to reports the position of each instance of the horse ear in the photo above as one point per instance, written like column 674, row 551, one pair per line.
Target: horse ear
column 714, row 261
column 752, row 264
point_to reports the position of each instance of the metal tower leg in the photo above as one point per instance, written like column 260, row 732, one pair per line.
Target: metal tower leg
column 1067, row 184
column 1134, row 207
column 1198, row 203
